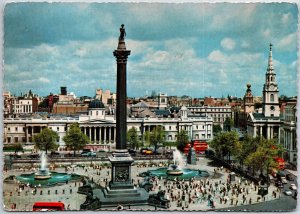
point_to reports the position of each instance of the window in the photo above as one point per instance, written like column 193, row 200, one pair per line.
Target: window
column 16, row 139
column 170, row 137
column 57, row 128
column 96, row 113
column 65, row 128
column 272, row 97
column 169, row 127
column 24, row 139
column 16, row 129
column 196, row 127
column 8, row 139
column 208, row 136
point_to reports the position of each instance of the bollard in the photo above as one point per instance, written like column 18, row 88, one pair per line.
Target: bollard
column 70, row 191
column 48, row 192
column 56, row 191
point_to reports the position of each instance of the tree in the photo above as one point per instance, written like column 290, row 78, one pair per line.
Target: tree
column 46, row 140
column 225, row 144
column 146, row 138
column 75, row 139
column 182, row 140
column 157, row 137
column 263, row 158
column 217, row 128
column 228, row 124
column 132, row 138
column 247, row 147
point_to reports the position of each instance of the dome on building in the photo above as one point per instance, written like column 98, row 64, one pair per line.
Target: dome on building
column 96, row 104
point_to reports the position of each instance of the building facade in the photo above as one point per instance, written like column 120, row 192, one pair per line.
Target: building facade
column 288, row 132
column 267, row 122
column 101, row 128
column 217, row 113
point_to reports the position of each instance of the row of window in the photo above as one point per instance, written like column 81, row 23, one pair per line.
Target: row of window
column 210, row 109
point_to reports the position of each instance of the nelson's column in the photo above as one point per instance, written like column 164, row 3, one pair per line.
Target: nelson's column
column 120, row 190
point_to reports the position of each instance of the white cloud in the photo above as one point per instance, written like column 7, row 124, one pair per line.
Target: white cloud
column 43, row 80
column 228, row 44
column 288, row 43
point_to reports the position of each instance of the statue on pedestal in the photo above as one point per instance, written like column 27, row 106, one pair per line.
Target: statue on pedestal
column 122, row 32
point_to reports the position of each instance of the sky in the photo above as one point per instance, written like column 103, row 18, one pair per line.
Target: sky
column 195, row 49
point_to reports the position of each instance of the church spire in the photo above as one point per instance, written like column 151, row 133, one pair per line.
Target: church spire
column 270, row 61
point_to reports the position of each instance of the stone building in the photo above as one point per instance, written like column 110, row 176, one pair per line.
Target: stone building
column 267, row 122
column 101, row 128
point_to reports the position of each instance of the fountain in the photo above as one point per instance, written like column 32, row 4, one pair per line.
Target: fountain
column 176, row 171
column 44, row 178
column 43, row 172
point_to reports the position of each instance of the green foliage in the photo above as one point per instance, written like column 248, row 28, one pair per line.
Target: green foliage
column 13, row 147
column 182, row 140
column 263, row 157
column 228, row 124
column 46, row 140
column 157, row 136
column 217, row 128
column 75, row 139
column 226, row 144
column 132, row 138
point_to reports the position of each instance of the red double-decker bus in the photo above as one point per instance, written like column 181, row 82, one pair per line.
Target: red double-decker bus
column 48, row 206
column 199, row 146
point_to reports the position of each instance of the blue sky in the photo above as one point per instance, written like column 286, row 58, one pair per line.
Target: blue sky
column 180, row 49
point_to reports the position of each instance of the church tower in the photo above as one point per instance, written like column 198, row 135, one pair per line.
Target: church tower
column 248, row 100
column 270, row 91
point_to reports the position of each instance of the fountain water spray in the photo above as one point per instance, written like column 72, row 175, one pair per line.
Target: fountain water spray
column 178, row 158
column 43, row 172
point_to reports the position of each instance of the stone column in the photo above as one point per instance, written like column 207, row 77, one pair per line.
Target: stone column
column 261, row 134
column 100, row 134
column 90, row 133
column 121, row 55
column 95, row 132
column 109, row 133
column 105, row 134
column 114, row 134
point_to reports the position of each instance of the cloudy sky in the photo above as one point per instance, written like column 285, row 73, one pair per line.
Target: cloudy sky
column 193, row 49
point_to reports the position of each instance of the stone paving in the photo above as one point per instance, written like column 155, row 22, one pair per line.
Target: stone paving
column 67, row 193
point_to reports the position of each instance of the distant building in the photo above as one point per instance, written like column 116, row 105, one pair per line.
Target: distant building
column 217, row 113
column 267, row 122
column 288, row 131
column 101, row 128
column 107, row 97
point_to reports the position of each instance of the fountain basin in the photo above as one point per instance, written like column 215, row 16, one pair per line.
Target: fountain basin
column 54, row 179
column 186, row 174
column 42, row 174
column 174, row 170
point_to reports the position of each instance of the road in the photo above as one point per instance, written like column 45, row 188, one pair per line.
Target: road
column 283, row 204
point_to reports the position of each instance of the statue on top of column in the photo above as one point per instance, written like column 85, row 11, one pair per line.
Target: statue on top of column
column 122, row 32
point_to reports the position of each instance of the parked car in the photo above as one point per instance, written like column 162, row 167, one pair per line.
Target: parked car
column 283, row 180
column 85, row 151
column 289, row 177
column 293, row 187
column 34, row 156
column 89, row 154
column 279, row 184
column 132, row 152
column 54, row 153
column 287, row 192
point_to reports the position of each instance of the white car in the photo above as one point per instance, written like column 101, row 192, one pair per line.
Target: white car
column 293, row 187
column 283, row 180
column 287, row 192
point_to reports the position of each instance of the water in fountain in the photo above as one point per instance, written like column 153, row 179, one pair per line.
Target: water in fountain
column 178, row 159
column 177, row 166
column 43, row 172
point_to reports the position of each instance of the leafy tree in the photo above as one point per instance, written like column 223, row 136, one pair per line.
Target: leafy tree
column 75, row 139
column 263, row 158
column 228, row 124
column 46, row 140
column 132, row 138
column 225, row 144
column 217, row 128
column 157, row 136
column 247, row 147
column 147, row 138
column 182, row 140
